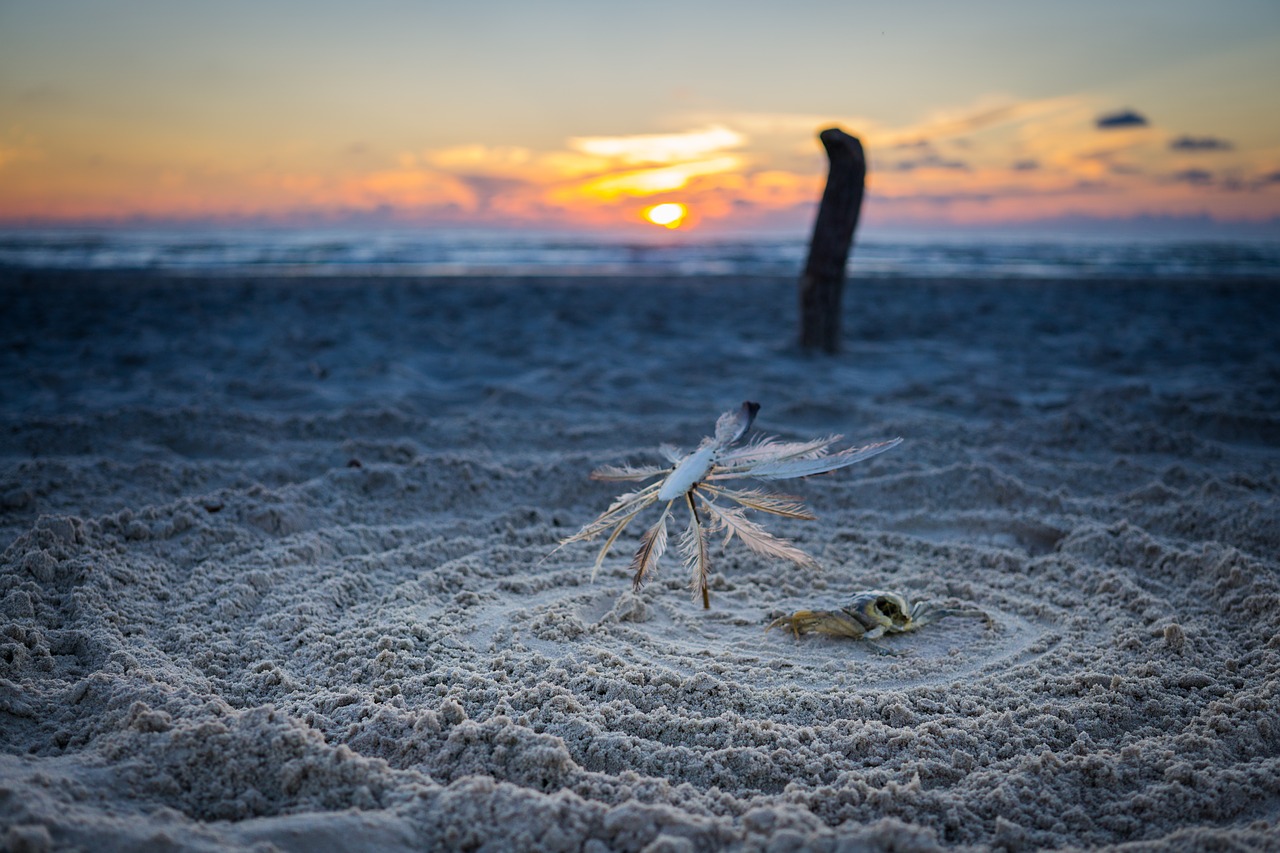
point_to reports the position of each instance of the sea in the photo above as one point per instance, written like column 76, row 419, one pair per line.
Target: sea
column 446, row 253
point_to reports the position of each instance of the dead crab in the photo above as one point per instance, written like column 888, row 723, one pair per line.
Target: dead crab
column 869, row 615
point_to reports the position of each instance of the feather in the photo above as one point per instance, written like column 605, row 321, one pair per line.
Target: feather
column 627, row 472
column 620, row 505
column 735, row 522
column 785, row 470
column 693, row 545
column 772, row 450
column 624, row 505
column 783, row 505
column 690, row 470
column 652, row 544
column 624, row 501
column 733, row 425
column 671, row 453
column 613, row 537
column 695, row 477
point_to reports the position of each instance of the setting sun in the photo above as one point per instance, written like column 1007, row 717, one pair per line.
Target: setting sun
column 669, row 215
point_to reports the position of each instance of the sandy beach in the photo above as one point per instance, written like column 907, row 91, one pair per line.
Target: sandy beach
column 275, row 573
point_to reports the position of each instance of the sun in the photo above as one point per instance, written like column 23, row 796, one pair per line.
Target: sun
column 669, row 215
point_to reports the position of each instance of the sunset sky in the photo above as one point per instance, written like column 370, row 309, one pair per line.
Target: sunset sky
column 582, row 115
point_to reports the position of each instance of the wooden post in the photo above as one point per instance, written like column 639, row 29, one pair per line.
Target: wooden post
column 823, row 278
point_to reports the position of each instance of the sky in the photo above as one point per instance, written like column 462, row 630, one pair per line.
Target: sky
column 584, row 115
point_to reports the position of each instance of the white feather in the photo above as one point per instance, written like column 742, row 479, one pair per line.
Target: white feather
column 694, row 467
column 787, row 469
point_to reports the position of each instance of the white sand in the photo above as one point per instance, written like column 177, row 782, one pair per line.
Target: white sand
column 271, row 571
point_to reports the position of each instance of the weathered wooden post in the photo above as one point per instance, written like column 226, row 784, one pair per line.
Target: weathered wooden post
column 823, row 278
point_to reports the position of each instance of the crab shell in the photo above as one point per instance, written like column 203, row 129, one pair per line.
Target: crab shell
column 888, row 612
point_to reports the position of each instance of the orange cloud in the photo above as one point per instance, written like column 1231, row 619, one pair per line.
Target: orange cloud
column 588, row 183
column 644, row 182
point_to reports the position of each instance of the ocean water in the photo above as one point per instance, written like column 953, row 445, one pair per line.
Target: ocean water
column 297, row 252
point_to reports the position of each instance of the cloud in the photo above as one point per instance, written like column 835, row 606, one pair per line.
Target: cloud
column 937, row 199
column 486, row 188
column 803, row 125
column 950, row 124
column 984, row 196
column 641, row 182
column 659, row 148
column 1026, row 165
column 515, row 163
column 1123, row 118
column 931, row 161
column 1196, row 177
column 1270, row 179
column 479, row 158
column 1200, row 143
column 1115, row 161
column 987, row 113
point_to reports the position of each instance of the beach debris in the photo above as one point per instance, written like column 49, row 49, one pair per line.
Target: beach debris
column 870, row 615
column 822, row 281
column 695, row 478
